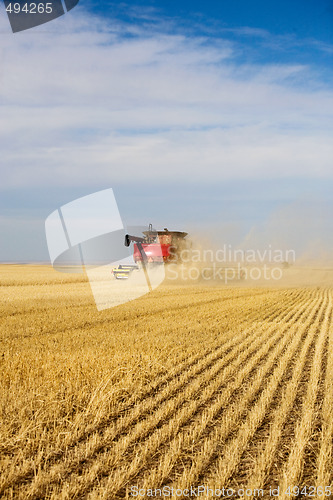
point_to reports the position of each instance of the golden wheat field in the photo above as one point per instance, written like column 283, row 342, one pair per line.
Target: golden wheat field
column 215, row 387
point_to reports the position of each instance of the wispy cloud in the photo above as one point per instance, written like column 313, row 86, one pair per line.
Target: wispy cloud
column 89, row 100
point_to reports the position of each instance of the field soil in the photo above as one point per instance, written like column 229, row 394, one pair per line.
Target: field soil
column 189, row 386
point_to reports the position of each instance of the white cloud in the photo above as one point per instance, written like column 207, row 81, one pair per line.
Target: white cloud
column 83, row 102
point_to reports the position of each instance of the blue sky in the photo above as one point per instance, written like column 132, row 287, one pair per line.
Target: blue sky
column 304, row 18
column 215, row 115
column 300, row 31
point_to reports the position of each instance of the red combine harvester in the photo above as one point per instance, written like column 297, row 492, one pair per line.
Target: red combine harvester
column 159, row 246
column 155, row 247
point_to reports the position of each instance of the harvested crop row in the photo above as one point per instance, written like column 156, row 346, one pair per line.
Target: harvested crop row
column 24, row 470
column 223, row 398
column 175, row 388
column 170, row 409
column 266, row 383
column 265, row 453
